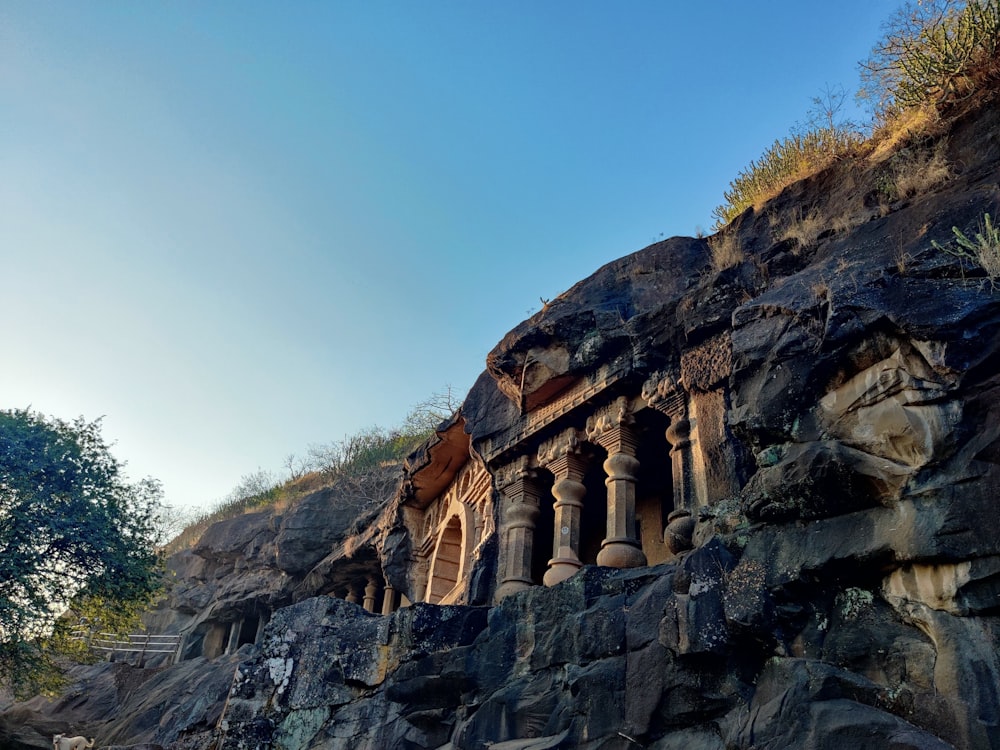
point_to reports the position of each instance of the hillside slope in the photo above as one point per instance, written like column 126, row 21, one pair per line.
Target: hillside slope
column 842, row 592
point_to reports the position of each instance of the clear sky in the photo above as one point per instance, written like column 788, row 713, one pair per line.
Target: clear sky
column 235, row 229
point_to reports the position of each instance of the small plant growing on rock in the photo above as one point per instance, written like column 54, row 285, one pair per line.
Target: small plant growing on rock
column 804, row 230
column 918, row 172
column 983, row 249
column 726, row 251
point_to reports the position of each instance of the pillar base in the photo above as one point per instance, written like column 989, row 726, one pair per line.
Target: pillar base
column 620, row 553
column 511, row 586
column 678, row 536
column 561, row 568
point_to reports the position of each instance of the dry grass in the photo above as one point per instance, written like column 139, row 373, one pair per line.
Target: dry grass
column 902, row 259
column 726, row 251
column 821, row 290
column 900, row 129
column 845, row 221
column 918, row 172
column 804, row 229
column 775, row 189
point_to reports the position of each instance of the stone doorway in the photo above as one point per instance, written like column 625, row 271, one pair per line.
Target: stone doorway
column 447, row 565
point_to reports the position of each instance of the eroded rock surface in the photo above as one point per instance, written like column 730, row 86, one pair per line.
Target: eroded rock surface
column 832, row 582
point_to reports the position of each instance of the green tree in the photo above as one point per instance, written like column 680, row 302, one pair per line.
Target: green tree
column 74, row 534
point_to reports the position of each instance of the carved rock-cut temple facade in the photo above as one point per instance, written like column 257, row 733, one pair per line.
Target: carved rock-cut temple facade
column 611, row 469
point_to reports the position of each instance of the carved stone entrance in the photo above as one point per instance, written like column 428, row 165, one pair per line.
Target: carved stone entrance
column 448, row 563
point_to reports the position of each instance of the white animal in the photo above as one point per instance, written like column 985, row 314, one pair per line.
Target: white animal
column 62, row 742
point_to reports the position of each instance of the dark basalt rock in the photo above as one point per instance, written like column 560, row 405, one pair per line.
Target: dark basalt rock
column 843, row 590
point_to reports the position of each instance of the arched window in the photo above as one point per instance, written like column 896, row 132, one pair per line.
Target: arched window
column 448, row 563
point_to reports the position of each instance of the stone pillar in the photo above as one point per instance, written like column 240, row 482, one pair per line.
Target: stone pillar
column 352, row 595
column 682, row 461
column 234, row 636
column 663, row 393
column 611, row 428
column 265, row 616
column 420, row 571
column 388, row 600
column 520, row 513
column 369, row 601
column 479, row 524
column 561, row 456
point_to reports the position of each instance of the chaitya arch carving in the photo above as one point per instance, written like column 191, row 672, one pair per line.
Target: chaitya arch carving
column 451, row 552
column 448, row 531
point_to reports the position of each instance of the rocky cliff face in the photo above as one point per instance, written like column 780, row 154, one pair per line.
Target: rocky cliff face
column 220, row 594
column 842, row 585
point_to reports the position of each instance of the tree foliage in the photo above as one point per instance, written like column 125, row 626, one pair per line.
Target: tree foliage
column 930, row 52
column 73, row 532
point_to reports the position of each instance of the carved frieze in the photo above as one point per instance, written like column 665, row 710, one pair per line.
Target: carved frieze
column 548, row 413
column 708, row 365
column 609, row 418
column 563, row 446
column 611, row 427
column 516, row 471
column 663, row 392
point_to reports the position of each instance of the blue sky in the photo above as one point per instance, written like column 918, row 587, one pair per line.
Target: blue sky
column 237, row 229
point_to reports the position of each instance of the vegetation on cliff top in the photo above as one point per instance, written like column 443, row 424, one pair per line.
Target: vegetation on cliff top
column 363, row 469
column 933, row 54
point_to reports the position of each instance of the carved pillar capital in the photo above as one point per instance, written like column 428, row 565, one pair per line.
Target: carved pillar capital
column 611, row 427
column 679, row 434
column 511, row 478
column 663, row 392
column 563, row 455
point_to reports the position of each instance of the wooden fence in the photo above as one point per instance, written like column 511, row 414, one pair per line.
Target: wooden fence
column 143, row 644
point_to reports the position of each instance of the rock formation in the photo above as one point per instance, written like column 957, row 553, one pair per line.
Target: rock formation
column 683, row 507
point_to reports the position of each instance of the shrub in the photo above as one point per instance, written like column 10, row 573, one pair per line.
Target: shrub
column 931, row 51
column 983, row 249
column 786, row 161
column 363, row 468
column 918, row 171
column 809, row 148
